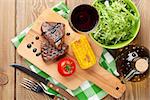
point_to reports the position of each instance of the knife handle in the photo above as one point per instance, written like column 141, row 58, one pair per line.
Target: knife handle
column 61, row 91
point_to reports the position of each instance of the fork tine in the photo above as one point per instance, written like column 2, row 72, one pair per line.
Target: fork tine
column 27, row 80
column 25, row 86
column 32, row 82
column 29, row 84
column 35, row 86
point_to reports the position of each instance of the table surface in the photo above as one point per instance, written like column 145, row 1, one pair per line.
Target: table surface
column 17, row 14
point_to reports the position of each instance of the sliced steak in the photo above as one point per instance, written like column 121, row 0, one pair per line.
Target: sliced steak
column 49, row 52
column 54, row 33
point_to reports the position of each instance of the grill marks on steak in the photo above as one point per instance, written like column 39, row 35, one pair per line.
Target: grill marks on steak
column 49, row 52
column 54, row 47
column 54, row 33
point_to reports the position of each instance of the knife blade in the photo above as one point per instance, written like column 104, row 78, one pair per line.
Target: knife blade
column 44, row 81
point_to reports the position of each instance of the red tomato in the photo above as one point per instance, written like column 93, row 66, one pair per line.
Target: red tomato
column 66, row 67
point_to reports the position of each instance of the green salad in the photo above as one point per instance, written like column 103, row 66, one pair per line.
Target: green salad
column 117, row 21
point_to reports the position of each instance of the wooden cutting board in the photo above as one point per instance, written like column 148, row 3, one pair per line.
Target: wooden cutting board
column 96, row 74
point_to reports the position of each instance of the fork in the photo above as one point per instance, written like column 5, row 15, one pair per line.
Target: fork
column 37, row 87
column 130, row 75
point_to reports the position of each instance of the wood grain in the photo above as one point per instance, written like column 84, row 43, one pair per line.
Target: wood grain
column 96, row 74
column 135, row 91
column 7, row 51
column 140, row 90
column 72, row 3
column 144, row 34
column 26, row 11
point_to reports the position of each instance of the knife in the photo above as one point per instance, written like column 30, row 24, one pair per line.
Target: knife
column 44, row 81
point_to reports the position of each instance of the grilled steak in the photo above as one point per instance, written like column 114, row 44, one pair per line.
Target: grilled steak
column 50, row 52
column 54, row 33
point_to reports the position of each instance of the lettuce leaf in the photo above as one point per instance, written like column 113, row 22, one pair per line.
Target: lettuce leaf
column 117, row 21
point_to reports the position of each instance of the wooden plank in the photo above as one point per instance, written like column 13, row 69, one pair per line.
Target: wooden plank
column 27, row 12
column 141, row 90
column 26, row 17
column 80, row 75
column 135, row 91
column 7, row 51
column 144, row 34
column 72, row 3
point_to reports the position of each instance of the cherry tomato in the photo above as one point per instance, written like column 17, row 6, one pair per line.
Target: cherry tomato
column 66, row 67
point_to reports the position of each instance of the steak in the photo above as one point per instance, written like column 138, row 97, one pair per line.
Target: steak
column 49, row 52
column 54, row 33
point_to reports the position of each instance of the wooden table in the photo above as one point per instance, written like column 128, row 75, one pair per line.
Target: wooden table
column 17, row 14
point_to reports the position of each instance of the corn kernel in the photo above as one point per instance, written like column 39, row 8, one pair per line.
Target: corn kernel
column 83, row 53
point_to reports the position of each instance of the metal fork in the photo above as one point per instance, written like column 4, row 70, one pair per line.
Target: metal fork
column 130, row 75
column 37, row 87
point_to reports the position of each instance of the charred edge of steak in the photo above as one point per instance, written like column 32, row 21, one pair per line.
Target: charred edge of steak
column 49, row 53
column 54, row 33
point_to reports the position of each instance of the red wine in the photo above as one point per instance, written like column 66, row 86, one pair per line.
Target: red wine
column 84, row 18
